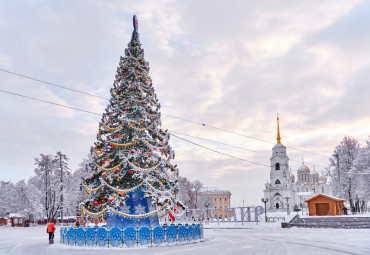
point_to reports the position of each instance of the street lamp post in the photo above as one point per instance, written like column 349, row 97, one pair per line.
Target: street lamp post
column 287, row 205
column 206, row 205
column 265, row 200
column 301, row 205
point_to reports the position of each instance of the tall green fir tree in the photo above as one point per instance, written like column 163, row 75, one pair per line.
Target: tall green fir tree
column 132, row 177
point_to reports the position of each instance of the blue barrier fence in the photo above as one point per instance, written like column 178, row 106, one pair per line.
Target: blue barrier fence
column 102, row 237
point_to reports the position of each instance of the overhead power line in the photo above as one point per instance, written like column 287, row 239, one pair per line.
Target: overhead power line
column 238, row 147
column 48, row 102
column 212, row 141
column 77, row 109
column 172, row 116
column 220, row 152
column 52, row 84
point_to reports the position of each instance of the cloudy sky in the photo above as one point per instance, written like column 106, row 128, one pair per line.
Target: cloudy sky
column 229, row 64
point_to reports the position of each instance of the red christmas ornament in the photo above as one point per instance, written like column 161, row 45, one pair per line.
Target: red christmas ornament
column 95, row 203
column 130, row 172
column 103, row 162
column 171, row 216
column 104, row 174
column 117, row 170
column 118, row 135
column 174, row 209
column 132, row 151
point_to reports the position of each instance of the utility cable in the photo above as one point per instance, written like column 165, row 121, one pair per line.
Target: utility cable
column 183, row 119
column 77, row 109
column 231, row 156
column 238, row 147
column 48, row 102
column 52, row 84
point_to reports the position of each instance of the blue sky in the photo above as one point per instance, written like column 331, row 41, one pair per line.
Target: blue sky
column 230, row 64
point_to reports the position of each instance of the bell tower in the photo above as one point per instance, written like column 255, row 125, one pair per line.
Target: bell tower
column 280, row 184
column 279, row 160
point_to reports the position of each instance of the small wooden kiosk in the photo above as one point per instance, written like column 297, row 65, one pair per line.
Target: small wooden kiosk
column 324, row 205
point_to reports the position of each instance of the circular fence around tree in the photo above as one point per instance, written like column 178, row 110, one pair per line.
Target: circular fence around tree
column 116, row 237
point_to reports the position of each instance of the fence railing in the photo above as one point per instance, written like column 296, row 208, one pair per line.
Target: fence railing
column 102, row 237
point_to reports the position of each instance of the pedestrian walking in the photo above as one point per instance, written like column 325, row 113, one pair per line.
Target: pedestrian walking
column 345, row 209
column 353, row 210
column 50, row 230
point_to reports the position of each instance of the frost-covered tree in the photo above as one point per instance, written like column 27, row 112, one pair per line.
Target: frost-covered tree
column 347, row 152
column 74, row 194
column 189, row 192
column 48, row 180
column 360, row 174
column 62, row 170
column 197, row 185
column 186, row 194
column 7, row 198
column 27, row 202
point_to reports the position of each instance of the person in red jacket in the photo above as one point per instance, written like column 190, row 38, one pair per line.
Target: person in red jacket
column 50, row 230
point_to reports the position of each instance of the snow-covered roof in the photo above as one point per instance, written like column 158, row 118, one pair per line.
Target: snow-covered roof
column 212, row 189
column 279, row 145
column 12, row 215
column 303, row 167
column 305, row 193
column 324, row 195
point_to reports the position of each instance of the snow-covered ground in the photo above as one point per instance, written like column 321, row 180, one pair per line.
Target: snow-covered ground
column 264, row 238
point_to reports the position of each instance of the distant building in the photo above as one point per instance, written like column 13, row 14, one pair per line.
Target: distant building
column 214, row 198
column 283, row 185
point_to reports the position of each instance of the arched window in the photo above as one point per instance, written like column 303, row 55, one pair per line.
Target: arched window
column 322, row 188
column 277, row 166
column 277, row 182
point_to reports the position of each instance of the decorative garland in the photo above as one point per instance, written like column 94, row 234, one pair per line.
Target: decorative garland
column 161, row 191
column 98, row 153
column 154, row 147
column 124, row 190
column 139, row 169
column 137, row 129
column 84, row 210
column 124, row 144
column 108, row 169
column 109, row 128
column 138, row 216
column 90, row 190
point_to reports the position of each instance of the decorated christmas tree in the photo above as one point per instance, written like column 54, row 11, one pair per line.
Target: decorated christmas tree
column 132, row 179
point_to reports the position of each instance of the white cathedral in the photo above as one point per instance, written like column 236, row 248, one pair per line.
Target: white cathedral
column 283, row 189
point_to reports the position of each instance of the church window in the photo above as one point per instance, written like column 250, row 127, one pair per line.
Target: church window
column 277, row 182
column 322, row 188
column 306, row 189
column 277, row 166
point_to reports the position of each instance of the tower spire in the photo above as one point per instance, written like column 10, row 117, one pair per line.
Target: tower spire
column 278, row 131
